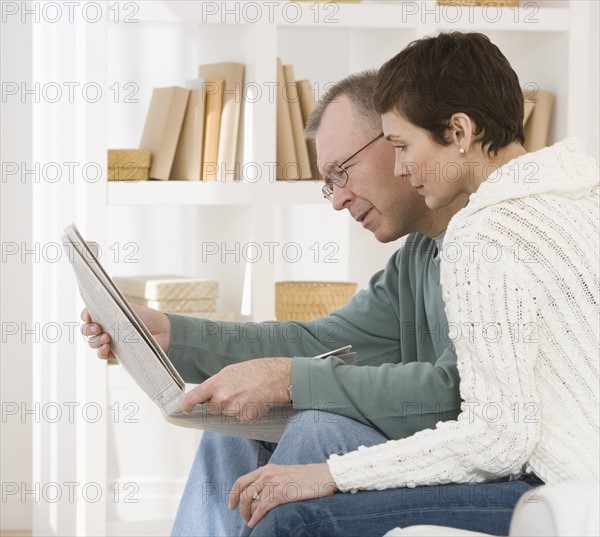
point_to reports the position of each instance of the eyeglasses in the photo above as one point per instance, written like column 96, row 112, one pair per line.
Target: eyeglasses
column 336, row 174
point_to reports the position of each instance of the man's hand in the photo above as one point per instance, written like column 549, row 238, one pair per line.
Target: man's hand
column 258, row 492
column 245, row 390
column 157, row 323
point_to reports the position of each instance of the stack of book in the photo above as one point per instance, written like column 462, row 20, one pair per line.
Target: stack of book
column 174, row 294
column 192, row 132
column 296, row 157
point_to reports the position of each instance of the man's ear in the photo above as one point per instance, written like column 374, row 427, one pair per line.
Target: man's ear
column 462, row 129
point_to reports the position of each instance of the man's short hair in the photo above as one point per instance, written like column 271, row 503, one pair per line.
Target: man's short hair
column 360, row 88
column 436, row 77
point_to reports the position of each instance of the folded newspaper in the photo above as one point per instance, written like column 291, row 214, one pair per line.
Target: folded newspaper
column 146, row 362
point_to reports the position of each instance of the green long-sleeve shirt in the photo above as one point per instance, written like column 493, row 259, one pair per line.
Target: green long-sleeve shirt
column 404, row 378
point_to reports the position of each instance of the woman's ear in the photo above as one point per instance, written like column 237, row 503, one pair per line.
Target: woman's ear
column 462, row 129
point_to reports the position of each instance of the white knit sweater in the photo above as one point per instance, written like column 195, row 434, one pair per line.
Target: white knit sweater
column 520, row 277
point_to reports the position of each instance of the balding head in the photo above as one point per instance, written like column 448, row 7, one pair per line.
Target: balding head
column 360, row 89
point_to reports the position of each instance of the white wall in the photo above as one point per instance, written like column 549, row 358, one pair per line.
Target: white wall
column 15, row 284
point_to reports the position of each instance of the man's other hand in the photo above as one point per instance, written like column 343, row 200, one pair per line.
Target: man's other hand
column 157, row 323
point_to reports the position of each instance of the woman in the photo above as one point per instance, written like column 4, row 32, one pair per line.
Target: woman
column 520, row 282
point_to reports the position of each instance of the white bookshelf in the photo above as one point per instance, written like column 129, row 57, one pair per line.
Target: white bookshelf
column 324, row 42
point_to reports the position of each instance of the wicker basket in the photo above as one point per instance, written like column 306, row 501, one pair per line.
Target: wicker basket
column 128, row 164
column 303, row 301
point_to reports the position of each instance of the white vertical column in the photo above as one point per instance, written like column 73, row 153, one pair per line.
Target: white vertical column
column 91, row 200
column 262, row 151
column 69, row 383
column 581, row 103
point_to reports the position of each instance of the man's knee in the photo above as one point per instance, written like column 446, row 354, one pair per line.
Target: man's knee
column 329, row 433
column 314, row 427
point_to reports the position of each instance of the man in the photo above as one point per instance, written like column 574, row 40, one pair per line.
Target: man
column 399, row 320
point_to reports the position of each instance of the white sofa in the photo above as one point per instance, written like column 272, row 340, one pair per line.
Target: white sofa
column 570, row 509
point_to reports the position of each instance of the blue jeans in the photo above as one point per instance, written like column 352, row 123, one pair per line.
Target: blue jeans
column 482, row 507
column 310, row 437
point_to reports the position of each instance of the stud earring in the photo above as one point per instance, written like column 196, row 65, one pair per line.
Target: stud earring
column 461, row 150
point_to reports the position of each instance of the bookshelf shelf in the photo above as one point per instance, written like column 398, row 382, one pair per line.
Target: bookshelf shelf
column 186, row 11
column 365, row 15
column 180, row 193
column 528, row 18
column 424, row 15
column 213, row 194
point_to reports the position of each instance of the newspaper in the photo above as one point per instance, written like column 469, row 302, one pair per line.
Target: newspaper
column 146, row 362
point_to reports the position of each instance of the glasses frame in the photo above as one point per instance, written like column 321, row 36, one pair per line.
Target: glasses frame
column 327, row 189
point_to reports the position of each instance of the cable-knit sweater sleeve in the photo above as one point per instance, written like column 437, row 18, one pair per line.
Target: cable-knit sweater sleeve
column 492, row 316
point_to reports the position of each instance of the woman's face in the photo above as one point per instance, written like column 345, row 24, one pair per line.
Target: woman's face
column 439, row 173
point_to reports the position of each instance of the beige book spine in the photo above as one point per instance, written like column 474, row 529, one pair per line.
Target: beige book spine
column 286, row 151
column 292, row 96
column 232, row 75
column 212, row 126
column 188, row 157
column 163, row 127
column 230, row 123
column 537, row 125
column 307, row 105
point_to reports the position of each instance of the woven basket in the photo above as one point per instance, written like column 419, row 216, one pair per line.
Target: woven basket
column 304, row 301
column 128, row 164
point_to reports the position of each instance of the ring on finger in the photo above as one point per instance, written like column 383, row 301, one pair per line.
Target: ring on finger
column 256, row 497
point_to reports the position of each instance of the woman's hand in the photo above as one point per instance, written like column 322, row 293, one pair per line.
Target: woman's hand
column 258, row 492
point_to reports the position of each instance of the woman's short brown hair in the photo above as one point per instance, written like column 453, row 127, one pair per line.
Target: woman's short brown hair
column 436, row 77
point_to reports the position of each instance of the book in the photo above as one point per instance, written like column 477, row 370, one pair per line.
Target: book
column 187, row 162
column 162, row 128
column 292, row 96
column 307, row 105
column 231, row 109
column 536, row 122
column 214, row 88
column 143, row 358
column 286, row 150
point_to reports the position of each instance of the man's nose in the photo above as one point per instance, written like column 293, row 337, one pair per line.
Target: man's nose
column 341, row 197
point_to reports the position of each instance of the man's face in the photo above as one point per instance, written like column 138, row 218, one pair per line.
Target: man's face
column 384, row 204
